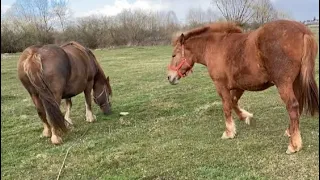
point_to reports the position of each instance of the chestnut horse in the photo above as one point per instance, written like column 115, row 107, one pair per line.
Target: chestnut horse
column 280, row 53
column 51, row 73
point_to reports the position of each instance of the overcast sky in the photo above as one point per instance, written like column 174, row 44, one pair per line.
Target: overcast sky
column 298, row 9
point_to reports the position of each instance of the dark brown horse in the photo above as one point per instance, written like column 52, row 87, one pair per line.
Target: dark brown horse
column 280, row 53
column 51, row 73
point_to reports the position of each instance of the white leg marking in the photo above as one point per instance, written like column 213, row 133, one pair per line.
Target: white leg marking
column 230, row 132
column 67, row 115
column 246, row 114
column 46, row 131
column 89, row 115
column 55, row 139
column 295, row 143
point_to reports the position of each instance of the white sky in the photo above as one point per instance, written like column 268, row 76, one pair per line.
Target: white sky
column 299, row 9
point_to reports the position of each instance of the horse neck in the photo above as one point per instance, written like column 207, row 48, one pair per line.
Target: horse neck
column 100, row 76
column 197, row 46
column 99, row 80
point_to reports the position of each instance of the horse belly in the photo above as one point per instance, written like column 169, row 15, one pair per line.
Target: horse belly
column 67, row 96
column 74, row 88
column 252, row 79
column 259, row 87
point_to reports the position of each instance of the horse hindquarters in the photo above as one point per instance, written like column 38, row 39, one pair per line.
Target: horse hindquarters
column 32, row 68
column 301, row 94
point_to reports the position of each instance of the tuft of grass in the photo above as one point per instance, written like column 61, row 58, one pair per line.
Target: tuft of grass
column 171, row 132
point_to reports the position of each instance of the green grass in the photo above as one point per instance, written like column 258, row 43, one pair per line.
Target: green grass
column 172, row 132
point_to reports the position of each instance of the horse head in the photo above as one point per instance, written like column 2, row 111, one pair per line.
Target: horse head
column 101, row 94
column 181, row 62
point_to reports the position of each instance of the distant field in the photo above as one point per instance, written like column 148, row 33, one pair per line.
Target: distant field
column 172, row 132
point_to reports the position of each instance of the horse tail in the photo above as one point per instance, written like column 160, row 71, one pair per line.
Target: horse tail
column 34, row 70
column 308, row 91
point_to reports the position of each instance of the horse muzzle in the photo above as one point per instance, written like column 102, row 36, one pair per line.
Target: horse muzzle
column 106, row 110
column 173, row 77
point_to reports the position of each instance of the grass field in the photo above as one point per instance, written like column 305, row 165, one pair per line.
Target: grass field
column 172, row 132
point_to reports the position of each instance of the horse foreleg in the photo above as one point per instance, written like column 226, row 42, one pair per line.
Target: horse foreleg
column 287, row 95
column 42, row 114
column 225, row 95
column 68, row 109
column 87, row 93
column 242, row 114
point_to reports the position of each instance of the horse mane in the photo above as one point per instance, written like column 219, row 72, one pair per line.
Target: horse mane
column 87, row 51
column 101, row 72
column 218, row 27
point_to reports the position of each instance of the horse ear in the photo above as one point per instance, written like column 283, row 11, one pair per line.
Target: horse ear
column 182, row 39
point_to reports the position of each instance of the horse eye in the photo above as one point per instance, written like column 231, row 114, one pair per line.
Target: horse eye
column 173, row 55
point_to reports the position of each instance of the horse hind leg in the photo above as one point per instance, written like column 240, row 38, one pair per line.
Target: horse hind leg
column 242, row 114
column 42, row 114
column 56, row 136
column 292, row 105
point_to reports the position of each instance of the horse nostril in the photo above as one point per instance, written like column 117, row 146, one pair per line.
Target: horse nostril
column 168, row 77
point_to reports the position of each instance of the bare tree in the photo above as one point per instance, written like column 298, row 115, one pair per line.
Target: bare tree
column 211, row 16
column 197, row 16
column 61, row 11
column 36, row 13
column 264, row 12
column 239, row 11
column 284, row 15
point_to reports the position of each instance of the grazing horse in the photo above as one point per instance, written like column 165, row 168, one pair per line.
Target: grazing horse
column 280, row 53
column 51, row 73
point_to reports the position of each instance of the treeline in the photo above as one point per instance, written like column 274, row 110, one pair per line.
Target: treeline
column 50, row 21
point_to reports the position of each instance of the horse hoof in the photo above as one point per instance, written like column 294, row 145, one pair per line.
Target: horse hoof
column 247, row 116
column 91, row 119
column 56, row 140
column 226, row 135
column 68, row 121
column 46, row 133
column 247, row 120
column 69, row 125
column 290, row 150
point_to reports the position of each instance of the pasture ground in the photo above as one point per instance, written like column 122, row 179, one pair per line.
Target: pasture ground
column 172, row 132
